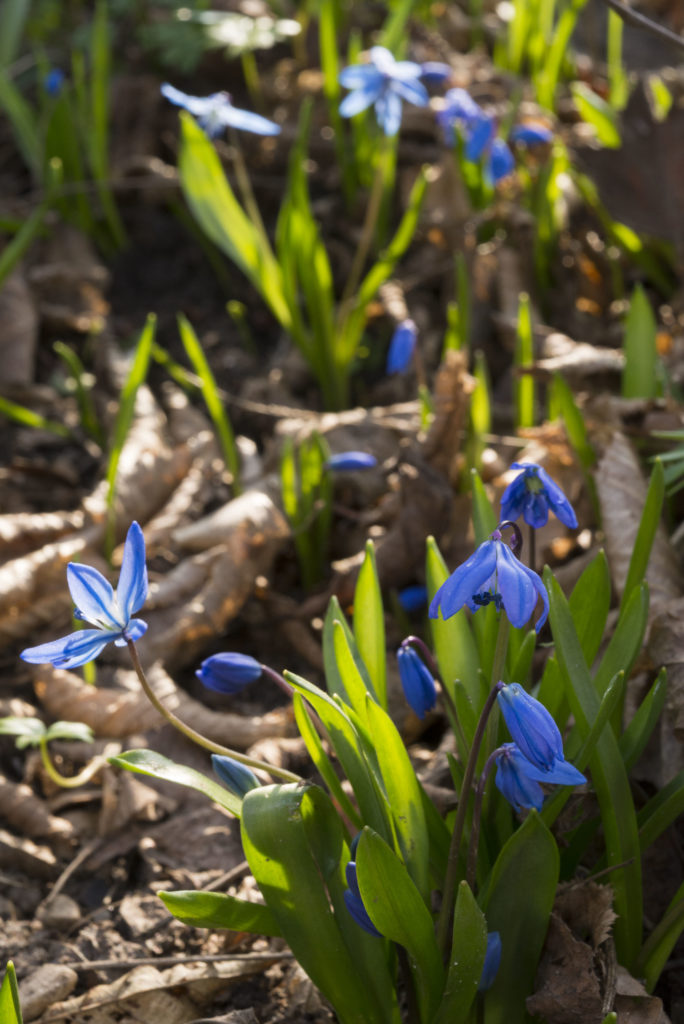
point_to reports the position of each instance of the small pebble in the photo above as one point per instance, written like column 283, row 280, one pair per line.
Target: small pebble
column 60, row 912
column 47, row 985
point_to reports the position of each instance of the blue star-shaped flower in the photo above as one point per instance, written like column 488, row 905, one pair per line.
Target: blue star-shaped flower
column 384, row 82
column 97, row 602
column 532, row 494
column 215, row 113
column 492, row 574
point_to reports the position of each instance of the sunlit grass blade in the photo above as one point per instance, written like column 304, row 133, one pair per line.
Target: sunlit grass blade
column 524, row 358
column 327, row 35
column 10, row 1008
column 86, row 407
column 28, row 418
column 321, row 760
column 14, row 250
column 640, row 374
column 98, row 128
column 136, row 376
column 484, row 517
column 369, row 623
column 595, row 111
column 212, row 399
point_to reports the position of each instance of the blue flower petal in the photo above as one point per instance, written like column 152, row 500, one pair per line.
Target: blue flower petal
column 501, row 161
column 135, row 629
column 388, row 112
column 246, row 121
column 406, row 71
column 360, row 99
column 413, row 597
column 513, row 499
column 411, row 90
column 513, row 779
column 198, row 106
column 560, row 505
column 460, row 106
column 531, row 725
column 515, row 586
column 237, row 777
column 93, row 596
column 491, row 963
column 345, row 461
column 435, row 71
column 354, row 903
column 481, row 132
column 131, row 592
column 69, row 651
column 465, row 581
column 531, row 134
column 360, row 76
column 383, row 60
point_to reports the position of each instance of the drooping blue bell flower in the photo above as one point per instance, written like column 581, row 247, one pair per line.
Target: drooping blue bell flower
column 96, row 601
column 518, row 779
column 215, row 113
column 531, row 726
column 383, row 82
column 237, row 777
column 416, row 681
column 354, row 903
column 350, row 461
column 401, row 348
column 492, row 574
column 229, row 672
column 491, row 963
column 531, row 133
column 532, row 494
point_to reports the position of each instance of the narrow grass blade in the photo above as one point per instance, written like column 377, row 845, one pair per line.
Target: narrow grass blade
column 13, row 15
column 212, row 399
column 86, row 407
column 10, row 1008
column 369, row 624
column 640, row 374
column 635, row 737
column 660, row 943
column 202, row 909
column 29, row 418
column 524, row 358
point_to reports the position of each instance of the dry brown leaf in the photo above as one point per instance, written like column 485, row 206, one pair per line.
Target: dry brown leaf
column 577, row 360
column 587, row 909
column 568, row 990
column 634, row 1005
column 26, row 856
column 122, row 713
column 622, row 494
column 452, row 391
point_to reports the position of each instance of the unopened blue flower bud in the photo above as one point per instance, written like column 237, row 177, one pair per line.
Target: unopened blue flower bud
column 402, row 346
column 351, row 461
column 491, row 963
column 532, row 133
column 354, row 903
column 237, row 777
column 413, row 598
column 416, row 680
column 531, row 726
column 229, row 672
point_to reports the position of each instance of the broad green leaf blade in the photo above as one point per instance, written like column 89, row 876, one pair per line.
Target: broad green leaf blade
column 595, row 111
column 321, row 760
column 148, row 762
column 404, row 795
column 349, row 672
column 397, row 910
column 518, row 903
column 333, row 677
column 25, row 128
column 636, row 735
column 608, row 775
column 468, row 950
column 643, row 543
column 70, row 731
column 640, row 374
column 219, row 910
column 369, row 624
column 31, row 730
column 10, row 1009
column 292, row 839
column 215, row 407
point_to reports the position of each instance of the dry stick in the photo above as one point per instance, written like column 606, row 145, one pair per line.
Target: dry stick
column 197, row 737
column 633, row 17
column 171, row 961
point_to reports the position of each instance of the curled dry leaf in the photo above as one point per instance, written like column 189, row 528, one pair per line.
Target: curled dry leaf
column 577, row 360
column 121, row 713
column 452, row 391
column 568, row 989
column 28, row 814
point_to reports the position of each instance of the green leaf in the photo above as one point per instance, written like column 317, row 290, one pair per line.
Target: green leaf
column 397, row 910
column 333, row 676
column 14, row 250
column 29, row 731
column 24, row 124
column 468, row 950
column 660, row 943
column 70, row 731
column 321, row 760
column 640, row 373
column 352, row 679
column 369, row 624
column 643, row 543
column 28, row 418
column 218, row 910
column 212, row 399
column 10, row 1008
column 660, row 811
column 403, row 793
column 484, row 516
column 524, row 359
column 13, row 15
column 148, row 762
column 625, row 643
column 292, row 839
column 518, row 902
column 635, row 737
column 608, row 775
column 595, row 111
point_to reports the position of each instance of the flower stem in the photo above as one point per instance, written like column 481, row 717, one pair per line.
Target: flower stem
column 457, row 834
column 369, row 226
column 452, row 710
column 532, row 541
column 72, row 781
column 471, row 867
column 197, row 737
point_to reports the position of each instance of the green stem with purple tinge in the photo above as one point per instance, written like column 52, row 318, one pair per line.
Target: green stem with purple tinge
column 197, row 737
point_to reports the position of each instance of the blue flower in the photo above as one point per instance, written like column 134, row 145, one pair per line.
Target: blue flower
column 491, row 963
column 501, row 162
column 351, row 460
column 413, row 598
column 518, row 779
column 532, row 494
column 236, row 776
column 402, row 346
column 354, row 903
column 384, row 82
column 531, row 133
column 53, row 81
column 228, row 672
column 479, row 131
column 492, row 573
column 531, row 726
column 435, row 72
column 97, row 602
column 215, row 113
column 416, row 681
column 459, row 110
